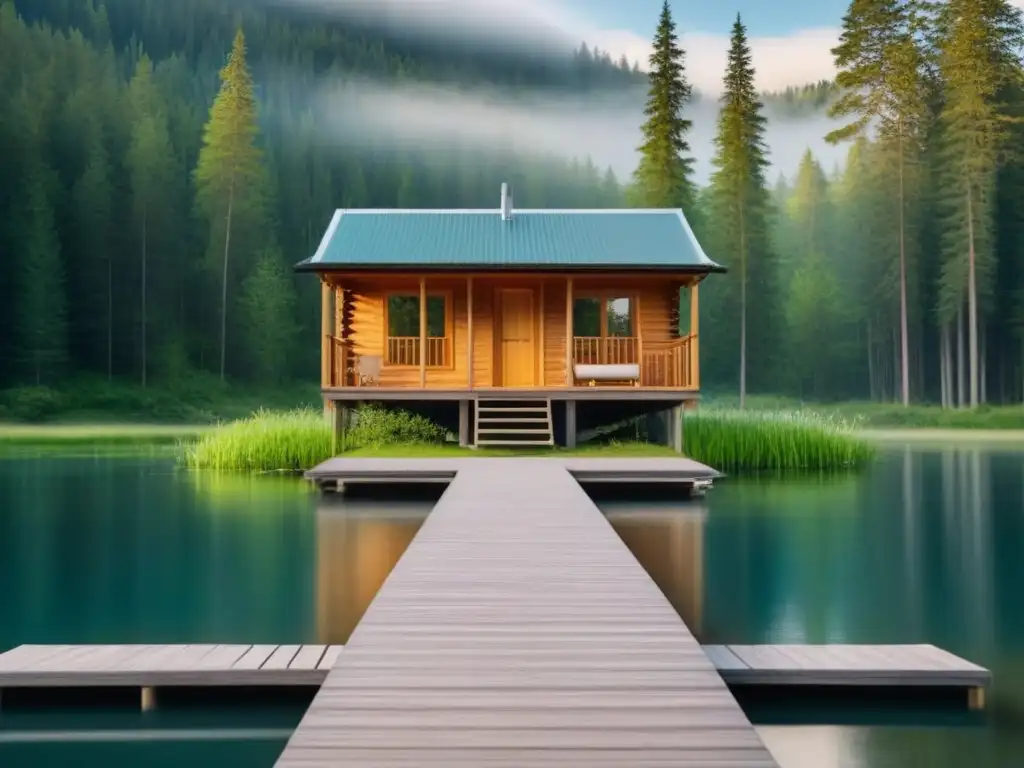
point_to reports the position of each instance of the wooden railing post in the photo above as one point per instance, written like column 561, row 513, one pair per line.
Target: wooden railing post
column 423, row 331
column 469, row 332
column 325, row 334
column 694, row 337
column 569, row 342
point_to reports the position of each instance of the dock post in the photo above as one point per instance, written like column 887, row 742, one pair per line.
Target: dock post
column 464, row 437
column 570, row 423
column 148, row 699
column 976, row 699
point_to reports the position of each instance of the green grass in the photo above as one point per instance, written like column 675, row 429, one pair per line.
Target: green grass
column 872, row 415
column 58, row 435
column 726, row 440
column 733, row 440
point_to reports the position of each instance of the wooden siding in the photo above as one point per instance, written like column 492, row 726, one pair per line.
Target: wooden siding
column 655, row 303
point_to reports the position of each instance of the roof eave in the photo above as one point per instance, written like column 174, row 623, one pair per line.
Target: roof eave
column 309, row 265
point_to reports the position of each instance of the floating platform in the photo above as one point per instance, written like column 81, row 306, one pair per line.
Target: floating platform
column 335, row 473
column 149, row 667
column 269, row 666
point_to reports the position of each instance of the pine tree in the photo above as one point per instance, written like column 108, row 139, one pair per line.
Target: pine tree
column 663, row 177
column 43, row 305
column 150, row 166
column 881, row 77
column 739, row 196
column 268, row 293
column 91, row 303
column 978, row 42
column 229, row 175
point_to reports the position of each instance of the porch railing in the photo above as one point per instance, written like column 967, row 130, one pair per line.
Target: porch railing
column 605, row 350
column 669, row 363
column 405, row 350
column 335, row 363
column 665, row 363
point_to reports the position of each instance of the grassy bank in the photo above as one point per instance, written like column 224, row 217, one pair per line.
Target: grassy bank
column 727, row 440
column 885, row 416
column 732, row 441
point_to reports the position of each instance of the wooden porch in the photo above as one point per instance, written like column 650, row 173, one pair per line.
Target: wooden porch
column 548, row 334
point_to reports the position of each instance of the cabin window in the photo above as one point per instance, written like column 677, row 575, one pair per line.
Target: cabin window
column 619, row 317
column 603, row 329
column 403, row 324
column 594, row 317
column 586, row 317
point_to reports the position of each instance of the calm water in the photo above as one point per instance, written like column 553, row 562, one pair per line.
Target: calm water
column 926, row 547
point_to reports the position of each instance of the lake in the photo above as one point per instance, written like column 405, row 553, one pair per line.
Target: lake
column 926, row 546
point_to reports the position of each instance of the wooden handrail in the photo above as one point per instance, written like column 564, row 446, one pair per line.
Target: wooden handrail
column 605, row 350
column 405, row 350
column 334, row 371
column 669, row 363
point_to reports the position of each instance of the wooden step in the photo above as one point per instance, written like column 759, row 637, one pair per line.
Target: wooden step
column 513, row 431
column 486, row 443
column 513, row 419
column 514, row 408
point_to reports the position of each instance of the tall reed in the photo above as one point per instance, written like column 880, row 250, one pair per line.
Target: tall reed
column 732, row 440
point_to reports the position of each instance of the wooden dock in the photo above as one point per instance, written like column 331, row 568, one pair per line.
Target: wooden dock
column 269, row 666
column 150, row 667
column 518, row 629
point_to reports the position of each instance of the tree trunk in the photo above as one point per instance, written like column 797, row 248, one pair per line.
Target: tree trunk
column 145, row 216
column 224, row 282
column 961, row 383
column 943, row 365
column 972, row 302
column 904, row 341
column 872, row 388
column 110, row 315
column 982, row 365
column 743, row 310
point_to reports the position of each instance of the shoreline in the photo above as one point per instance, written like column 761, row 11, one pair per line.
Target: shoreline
column 941, row 435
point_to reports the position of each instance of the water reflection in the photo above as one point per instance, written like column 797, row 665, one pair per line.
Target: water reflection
column 358, row 543
column 668, row 539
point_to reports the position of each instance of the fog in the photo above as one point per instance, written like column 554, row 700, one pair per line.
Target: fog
column 423, row 116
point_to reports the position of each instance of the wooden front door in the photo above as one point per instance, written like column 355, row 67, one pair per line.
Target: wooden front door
column 518, row 359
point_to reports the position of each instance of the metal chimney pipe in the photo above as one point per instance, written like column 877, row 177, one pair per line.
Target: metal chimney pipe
column 506, row 202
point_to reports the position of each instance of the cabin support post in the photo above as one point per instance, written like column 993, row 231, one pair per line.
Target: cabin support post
column 148, row 699
column 339, row 427
column 464, row 436
column 469, row 332
column 423, row 331
column 976, row 699
column 675, row 429
column 570, row 423
column 694, row 382
column 569, row 348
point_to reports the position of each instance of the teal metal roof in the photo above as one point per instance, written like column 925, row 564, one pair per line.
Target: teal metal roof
column 555, row 239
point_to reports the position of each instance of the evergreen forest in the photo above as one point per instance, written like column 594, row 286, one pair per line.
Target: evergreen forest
column 161, row 170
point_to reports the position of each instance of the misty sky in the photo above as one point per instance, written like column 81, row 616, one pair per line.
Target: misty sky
column 791, row 46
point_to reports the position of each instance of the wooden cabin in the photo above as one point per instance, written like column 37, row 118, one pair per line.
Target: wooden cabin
column 524, row 325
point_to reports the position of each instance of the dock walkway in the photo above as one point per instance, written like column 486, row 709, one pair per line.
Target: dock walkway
column 518, row 630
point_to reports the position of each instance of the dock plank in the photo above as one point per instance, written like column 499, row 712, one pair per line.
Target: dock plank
column 308, row 657
column 841, row 665
column 255, row 657
column 281, row 658
column 477, row 644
